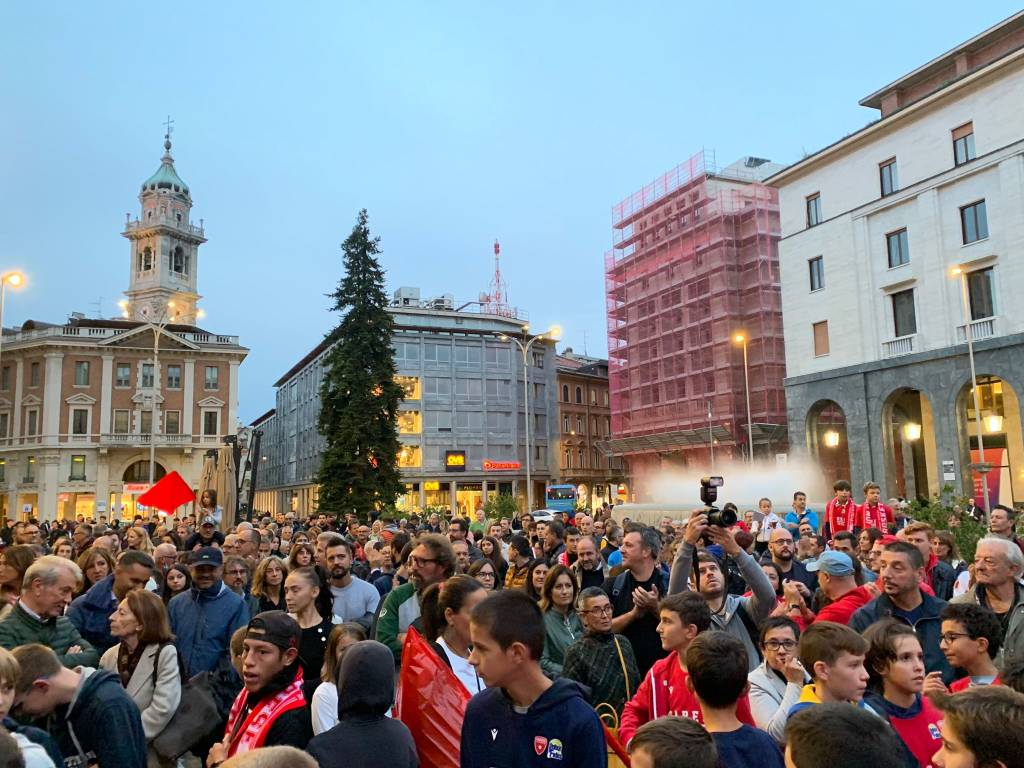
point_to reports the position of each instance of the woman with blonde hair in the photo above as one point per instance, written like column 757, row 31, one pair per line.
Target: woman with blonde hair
column 268, row 584
column 325, row 698
column 147, row 662
column 63, row 547
column 137, row 538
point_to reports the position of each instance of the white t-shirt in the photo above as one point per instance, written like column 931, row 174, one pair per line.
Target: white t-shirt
column 463, row 670
column 769, row 523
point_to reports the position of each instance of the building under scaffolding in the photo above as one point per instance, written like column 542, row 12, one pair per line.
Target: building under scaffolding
column 694, row 262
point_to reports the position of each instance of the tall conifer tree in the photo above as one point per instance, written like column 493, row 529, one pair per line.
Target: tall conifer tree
column 359, row 396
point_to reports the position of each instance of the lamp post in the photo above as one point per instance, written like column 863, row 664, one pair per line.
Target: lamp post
column 553, row 333
column 15, row 280
column 711, row 439
column 740, row 338
column 169, row 313
column 981, row 466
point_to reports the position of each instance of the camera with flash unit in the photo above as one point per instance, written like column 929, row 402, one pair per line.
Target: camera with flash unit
column 723, row 518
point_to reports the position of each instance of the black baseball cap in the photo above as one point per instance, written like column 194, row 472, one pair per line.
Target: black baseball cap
column 275, row 627
column 208, row 556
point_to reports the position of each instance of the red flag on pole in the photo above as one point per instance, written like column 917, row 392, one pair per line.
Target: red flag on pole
column 431, row 702
column 168, row 493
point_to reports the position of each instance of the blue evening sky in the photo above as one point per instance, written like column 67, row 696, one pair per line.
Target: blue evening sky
column 452, row 123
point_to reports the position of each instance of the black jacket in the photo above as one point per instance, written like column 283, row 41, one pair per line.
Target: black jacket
column 364, row 735
column 943, row 579
column 292, row 728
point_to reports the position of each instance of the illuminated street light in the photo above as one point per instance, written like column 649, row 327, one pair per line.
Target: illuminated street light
column 739, row 338
column 831, row 438
column 14, row 279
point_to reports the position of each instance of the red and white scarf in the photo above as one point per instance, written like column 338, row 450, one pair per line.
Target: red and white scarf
column 252, row 732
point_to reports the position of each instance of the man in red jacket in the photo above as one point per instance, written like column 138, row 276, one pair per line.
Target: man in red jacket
column 873, row 513
column 836, row 580
column 663, row 691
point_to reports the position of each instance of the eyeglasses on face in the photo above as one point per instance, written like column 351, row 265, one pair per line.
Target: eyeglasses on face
column 774, row 645
column 604, row 610
column 419, row 562
column 951, row 637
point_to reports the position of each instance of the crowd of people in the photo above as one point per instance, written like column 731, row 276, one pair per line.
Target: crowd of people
column 853, row 637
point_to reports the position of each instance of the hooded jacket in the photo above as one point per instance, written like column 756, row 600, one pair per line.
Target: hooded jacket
column 203, row 622
column 917, row 727
column 90, row 613
column 99, row 709
column 364, row 735
column 559, row 728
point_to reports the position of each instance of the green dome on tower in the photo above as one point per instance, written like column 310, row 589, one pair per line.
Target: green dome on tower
column 166, row 178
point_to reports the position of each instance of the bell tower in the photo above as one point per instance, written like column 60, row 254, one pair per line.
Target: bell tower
column 164, row 247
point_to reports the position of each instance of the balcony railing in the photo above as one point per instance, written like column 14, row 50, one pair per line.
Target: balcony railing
column 111, row 439
column 166, row 221
column 904, row 345
column 980, row 329
column 119, row 438
column 73, row 331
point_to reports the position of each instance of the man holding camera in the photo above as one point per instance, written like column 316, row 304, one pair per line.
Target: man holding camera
column 739, row 616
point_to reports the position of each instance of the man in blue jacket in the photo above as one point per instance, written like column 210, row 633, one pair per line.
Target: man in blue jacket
column 901, row 572
column 90, row 613
column 95, row 722
column 204, row 618
column 523, row 718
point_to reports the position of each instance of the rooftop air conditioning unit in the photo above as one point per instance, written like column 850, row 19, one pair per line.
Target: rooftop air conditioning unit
column 407, row 297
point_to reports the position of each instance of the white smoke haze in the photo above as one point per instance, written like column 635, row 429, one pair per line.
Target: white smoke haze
column 744, row 484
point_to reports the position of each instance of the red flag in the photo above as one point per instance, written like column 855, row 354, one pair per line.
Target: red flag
column 431, row 702
column 168, row 493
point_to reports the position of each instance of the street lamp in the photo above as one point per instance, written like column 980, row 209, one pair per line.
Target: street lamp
column 551, row 334
column 739, row 338
column 981, row 466
column 15, row 280
column 169, row 313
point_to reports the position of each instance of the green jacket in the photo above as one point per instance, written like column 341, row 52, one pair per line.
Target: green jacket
column 19, row 628
column 399, row 610
column 559, row 633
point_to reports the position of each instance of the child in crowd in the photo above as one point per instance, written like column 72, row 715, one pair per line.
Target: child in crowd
column 971, row 638
column 523, row 718
column 717, row 663
column 895, row 662
column 833, row 655
column 673, row 742
column 682, row 618
column 840, row 511
column 840, row 736
column 37, row 747
column 981, row 727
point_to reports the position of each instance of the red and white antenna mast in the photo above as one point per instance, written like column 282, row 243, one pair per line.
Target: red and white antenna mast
column 497, row 300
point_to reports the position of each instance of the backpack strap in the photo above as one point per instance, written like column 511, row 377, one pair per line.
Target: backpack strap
column 618, row 584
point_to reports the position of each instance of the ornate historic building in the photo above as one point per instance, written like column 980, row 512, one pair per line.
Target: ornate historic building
column 82, row 402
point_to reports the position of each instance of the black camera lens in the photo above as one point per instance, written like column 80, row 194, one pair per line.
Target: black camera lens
column 723, row 518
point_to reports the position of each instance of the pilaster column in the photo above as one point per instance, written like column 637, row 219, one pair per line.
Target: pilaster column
column 47, row 465
column 106, row 393
column 232, row 425
column 13, row 470
column 102, row 482
column 188, row 405
column 51, row 399
column 19, row 383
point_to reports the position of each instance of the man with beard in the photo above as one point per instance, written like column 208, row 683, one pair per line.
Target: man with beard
column 431, row 560
column 354, row 599
column 780, row 545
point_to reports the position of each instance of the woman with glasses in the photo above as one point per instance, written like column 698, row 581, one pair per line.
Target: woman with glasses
column 562, row 625
column 491, row 549
column 776, row 685
column 483, row 571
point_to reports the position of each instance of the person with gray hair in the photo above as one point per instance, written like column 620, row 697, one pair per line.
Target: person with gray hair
column 998, row 565
column 38, row 616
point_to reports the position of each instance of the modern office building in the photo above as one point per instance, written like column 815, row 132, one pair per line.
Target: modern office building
column 461, row 424
column 896, row 240
column 694, row 262
column 584, row 418
column 81, row 402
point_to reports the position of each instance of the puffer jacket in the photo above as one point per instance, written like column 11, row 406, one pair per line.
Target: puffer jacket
column 21, row 628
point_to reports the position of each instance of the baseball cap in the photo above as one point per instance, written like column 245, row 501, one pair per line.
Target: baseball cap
column 208, row 556
column 833, row 563
column 208, row 520
column 275, row 627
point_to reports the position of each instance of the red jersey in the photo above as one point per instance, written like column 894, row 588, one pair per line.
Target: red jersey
column 878, row 516
column 921, row 732
column 840, row 517
column 664, row 692
column 842, row 610
column 965, row 682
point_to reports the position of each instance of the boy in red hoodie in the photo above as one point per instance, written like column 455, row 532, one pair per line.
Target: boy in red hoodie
column 663, row 691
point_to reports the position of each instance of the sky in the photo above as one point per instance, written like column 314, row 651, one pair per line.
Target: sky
column 453, row 124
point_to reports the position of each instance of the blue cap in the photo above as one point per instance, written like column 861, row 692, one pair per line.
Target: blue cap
column 833, row 563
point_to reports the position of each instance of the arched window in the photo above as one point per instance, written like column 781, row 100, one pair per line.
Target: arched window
column 583, row 462
column 579, row 395
column 139, row 472
column 146, row 259
column 565, row 393
column 178, row 260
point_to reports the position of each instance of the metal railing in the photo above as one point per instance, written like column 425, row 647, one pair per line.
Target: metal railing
column 168, row 221
column 104, row 333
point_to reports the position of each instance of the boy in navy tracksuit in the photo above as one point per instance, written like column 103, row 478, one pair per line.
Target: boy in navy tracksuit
column 523, row 718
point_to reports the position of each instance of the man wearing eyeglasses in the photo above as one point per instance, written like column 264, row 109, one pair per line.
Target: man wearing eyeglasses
column 431, row 560
column 601, row 660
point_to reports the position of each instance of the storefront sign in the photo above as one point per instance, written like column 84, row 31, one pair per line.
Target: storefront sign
column 135, row 487
column 500, row 466
column 455, row 461
column 431, row 485
column 622, row 489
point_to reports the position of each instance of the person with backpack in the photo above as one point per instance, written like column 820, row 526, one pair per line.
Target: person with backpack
column 635, row 593
column 146, row 662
